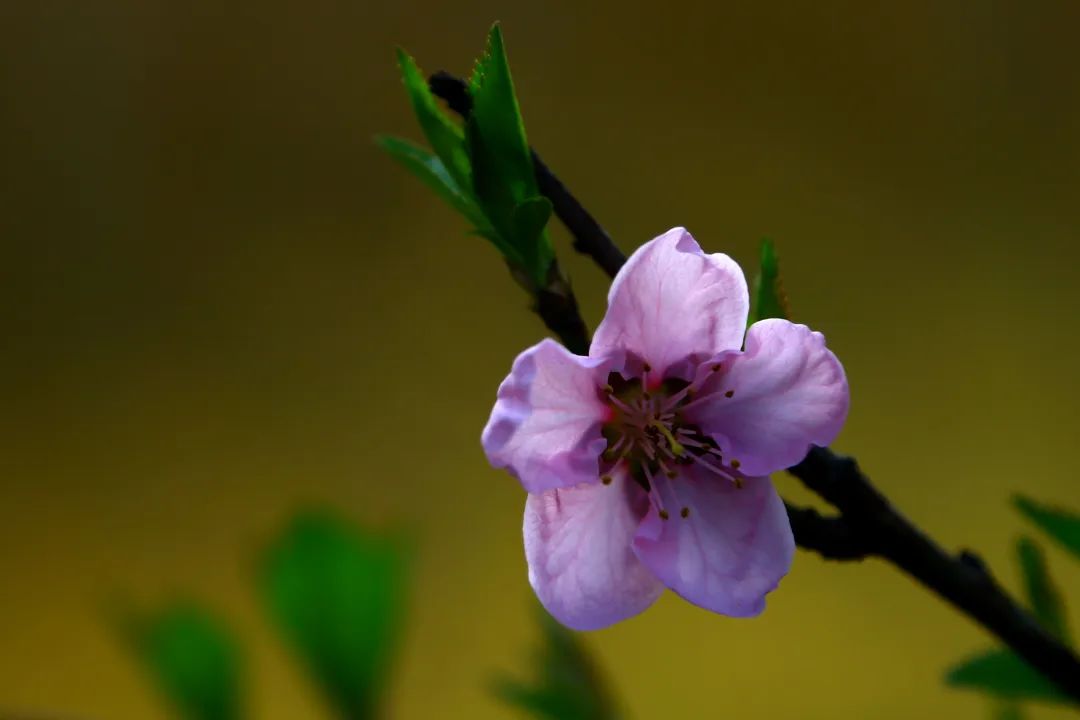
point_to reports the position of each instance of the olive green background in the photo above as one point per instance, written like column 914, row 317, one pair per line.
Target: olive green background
column 220, row 302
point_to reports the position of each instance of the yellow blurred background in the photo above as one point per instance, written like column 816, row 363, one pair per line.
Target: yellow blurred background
column 220, row 302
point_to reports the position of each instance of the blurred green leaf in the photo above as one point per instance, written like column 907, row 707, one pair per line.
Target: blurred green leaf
column 1008, row 711
column 567, row 684
column 338, row 596
column 192, row 659
column 1002, row 674
column 1043, row 595
column 502, row 168
column 1062, row 525
column 769, row 298
column 446, row 138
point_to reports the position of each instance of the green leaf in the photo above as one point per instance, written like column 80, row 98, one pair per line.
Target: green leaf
column 769, row 298
column 430, row 169
column 192, row 659
column 1043, row 596
column 446, row 138
column 566, row 686
column 530, row 218
column 1004, row 675
column 337, row 595
column 1062, row 525
column 501, row 161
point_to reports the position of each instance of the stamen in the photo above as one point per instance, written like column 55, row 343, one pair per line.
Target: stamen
column 609, row 454
column 613, row 454
column 685, row 512
column 686, row 438
column 654, row 494
column 665, row 469
column 621, row 405
column 729, row 393
column 710, row 467
column 606, row 479
column 671, row 402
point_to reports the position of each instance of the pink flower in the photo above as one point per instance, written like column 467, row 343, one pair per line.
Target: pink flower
column 647, row 462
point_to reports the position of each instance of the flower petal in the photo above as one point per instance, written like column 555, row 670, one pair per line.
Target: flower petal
column 578, row 543
column 732, row 549
column 789, row 392
column 671, row 301
column 545, row 426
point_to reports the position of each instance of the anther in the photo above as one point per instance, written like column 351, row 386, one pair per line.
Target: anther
column 647, row 367
column 608, row 390
column 606, row 479
column 729, row 393
column 664, row 515
column 738, row 482
column 735, row 464
column 671, row 474
column 717, row 366
column 685, row 512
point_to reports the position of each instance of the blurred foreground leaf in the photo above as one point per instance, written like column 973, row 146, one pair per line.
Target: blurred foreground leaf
column 1002, row 674
column 1062, row 525
column 338, row 596
column 566, row 684
column 1008, row 711
column 1043, row 595
column 192, row 659
column 769, row 298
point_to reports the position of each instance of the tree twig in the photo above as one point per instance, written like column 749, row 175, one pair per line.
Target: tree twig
column 867, row 524
column 830, row 536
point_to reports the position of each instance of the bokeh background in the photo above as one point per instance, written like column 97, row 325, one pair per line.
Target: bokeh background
column 220, row 302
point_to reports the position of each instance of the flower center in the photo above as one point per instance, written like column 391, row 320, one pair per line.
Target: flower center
column 649, row 435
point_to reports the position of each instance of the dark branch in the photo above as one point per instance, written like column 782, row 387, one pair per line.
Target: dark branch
column 830, row 537
column 867, row 524
column 558, row 308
